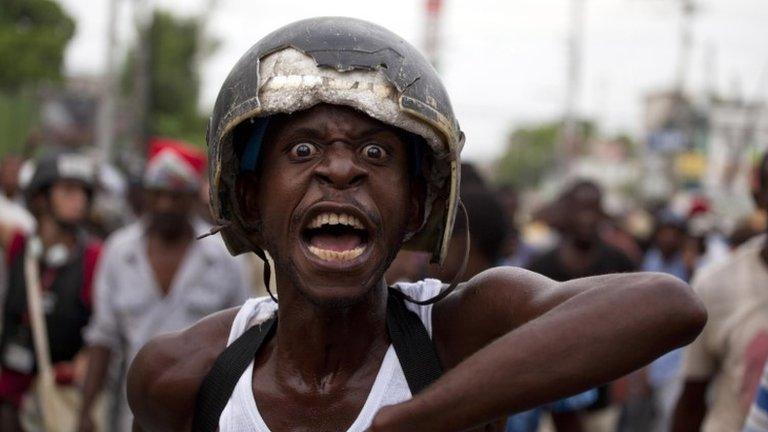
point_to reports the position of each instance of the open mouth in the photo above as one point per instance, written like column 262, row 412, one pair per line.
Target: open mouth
column 335, row 237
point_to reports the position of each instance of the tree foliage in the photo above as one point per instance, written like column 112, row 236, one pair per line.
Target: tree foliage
column 532, row 153
column 33, row 35
column 173, row 45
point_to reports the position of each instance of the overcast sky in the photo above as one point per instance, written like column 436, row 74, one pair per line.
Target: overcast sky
column 503, row 61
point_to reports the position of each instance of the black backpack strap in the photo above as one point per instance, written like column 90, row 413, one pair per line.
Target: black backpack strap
column 412, row 343
column 221, row 380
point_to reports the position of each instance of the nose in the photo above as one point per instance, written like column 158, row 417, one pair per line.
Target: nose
column 340, row 167
column 164, row 202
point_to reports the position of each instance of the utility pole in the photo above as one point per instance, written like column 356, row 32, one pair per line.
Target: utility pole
column 570, row 138
column 143, row 17
column 432, row 31
column 105, row 125
column 687, row 11
column 754, row 109
column 710, row 73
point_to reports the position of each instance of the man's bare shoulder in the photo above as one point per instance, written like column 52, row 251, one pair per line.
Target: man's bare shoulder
column 506, row 287
column 502, row 299
column 165, row 375
column 486, row 307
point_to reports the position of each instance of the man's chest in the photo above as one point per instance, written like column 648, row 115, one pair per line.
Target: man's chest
column 141, row 310
column 309, row 409
column 165, row 265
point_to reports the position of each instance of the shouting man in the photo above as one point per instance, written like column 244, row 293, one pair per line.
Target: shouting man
column 332, row 145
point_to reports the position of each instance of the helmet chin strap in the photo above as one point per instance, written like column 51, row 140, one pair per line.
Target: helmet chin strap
column 257, row 250
column 267, row 271
column 456, row 278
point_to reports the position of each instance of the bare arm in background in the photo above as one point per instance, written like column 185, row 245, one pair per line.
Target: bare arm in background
column 691, row 407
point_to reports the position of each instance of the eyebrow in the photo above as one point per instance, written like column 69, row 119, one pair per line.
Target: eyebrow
column 315, row 133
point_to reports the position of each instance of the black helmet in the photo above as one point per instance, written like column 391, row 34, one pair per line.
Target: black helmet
column 55, row 166
column 340, row 61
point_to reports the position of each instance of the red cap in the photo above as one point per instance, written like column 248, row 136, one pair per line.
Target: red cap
column 193, row 156
column 173, row 165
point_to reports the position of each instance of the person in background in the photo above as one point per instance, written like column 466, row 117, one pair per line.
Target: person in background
column 757, row 420
column 726, row 360
column 408, row 266
column 59, row 195
column 706, row 243
column 516, row 251
column 744, row 230
column 666, row 252
column 10, row 168
column 155, row 277
column 581, row 252
column 489, row 229
column 616, row 235
column 12, row 215
column 667, row 255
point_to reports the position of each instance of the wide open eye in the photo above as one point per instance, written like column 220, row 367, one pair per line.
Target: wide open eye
column 303, row 150
column 374, row 152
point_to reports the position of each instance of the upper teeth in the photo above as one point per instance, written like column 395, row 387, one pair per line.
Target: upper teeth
column 335, row 219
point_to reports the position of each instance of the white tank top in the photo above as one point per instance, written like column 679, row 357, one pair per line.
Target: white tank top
column 390, row 387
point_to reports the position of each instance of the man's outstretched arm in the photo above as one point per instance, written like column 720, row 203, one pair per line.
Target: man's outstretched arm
column 515, row 340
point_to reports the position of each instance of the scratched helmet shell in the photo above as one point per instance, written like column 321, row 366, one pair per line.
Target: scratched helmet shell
column 340, row 61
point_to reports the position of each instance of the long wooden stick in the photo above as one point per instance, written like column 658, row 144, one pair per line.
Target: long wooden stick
column 45, row 377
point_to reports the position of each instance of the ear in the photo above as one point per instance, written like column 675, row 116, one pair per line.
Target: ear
column 246, row 193
column 416, row 207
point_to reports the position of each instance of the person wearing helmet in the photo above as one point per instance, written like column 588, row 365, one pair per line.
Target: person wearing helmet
column 332, row 145
column 59, row 197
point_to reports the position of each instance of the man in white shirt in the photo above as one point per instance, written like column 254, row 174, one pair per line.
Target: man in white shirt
column 728, row 357
column 155, row 277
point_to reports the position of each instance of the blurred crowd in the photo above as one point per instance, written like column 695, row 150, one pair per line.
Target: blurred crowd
column 82, row 291
column 708, row 386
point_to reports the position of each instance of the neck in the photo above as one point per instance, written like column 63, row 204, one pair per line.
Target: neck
column 582, row 246
column 668, row 255
column 764, row 251
column 51, row 233
column 182, row 234
column 322, row 346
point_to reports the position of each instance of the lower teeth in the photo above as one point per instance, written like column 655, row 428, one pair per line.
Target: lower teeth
column 329, row 255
